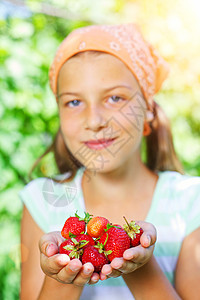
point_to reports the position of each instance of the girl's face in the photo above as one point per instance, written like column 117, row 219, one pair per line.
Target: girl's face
column 101, row 111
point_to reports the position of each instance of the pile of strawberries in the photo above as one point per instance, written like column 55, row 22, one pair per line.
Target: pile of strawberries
column 96, row 240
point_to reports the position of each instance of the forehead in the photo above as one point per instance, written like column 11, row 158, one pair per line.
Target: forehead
column 88, row 61
column 94, row 56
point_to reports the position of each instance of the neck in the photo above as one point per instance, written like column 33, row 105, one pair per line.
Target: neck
column 127, row 180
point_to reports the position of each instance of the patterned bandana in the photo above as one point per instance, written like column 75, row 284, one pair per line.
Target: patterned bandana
column 123, row 41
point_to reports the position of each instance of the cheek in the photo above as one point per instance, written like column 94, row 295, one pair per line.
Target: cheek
column 70, row 125
column 134, row 114
column 131, row 123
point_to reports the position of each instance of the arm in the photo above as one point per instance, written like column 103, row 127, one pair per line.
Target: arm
column 34, row 283
column 150, row 283
column 31, row 273
column 187, row 277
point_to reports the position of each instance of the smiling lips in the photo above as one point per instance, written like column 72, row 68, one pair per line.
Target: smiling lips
column 99, row 144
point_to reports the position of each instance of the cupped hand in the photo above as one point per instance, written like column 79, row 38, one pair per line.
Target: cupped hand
column 135, row 257
column 59, row 266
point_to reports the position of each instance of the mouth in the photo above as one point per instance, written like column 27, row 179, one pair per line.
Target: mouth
column 99, row 144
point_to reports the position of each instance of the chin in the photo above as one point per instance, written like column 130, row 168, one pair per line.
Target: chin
column 107, row 167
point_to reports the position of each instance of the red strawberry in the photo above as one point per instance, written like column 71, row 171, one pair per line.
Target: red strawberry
column 96, row 226
column 92, row 254
column 74, row 225
column 115, row 239
column 85, row 237
column 74, row 246
column 68, row 247
column 134, row 231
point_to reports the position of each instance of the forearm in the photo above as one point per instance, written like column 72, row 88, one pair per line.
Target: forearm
column 53, row 289
column 149, row 282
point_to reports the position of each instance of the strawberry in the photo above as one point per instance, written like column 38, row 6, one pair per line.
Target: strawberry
column 134, row 231
column 115, row 239
column 69, row 247
column 95, row 256
column 85, row 237
column 96, row 226
column 74, row 246
column 74, row 225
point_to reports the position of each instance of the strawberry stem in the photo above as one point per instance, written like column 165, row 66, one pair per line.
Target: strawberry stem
column 127, row 222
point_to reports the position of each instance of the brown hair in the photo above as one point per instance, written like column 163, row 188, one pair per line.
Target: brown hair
column 64, row 159
column 160, row 152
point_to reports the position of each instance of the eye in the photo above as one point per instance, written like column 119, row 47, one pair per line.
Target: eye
column 73, row 103
column 115, row 99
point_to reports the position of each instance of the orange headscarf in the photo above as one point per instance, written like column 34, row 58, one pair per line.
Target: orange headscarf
column 123, row 41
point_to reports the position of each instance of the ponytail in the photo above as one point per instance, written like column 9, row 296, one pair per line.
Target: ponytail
column 65, row 161
column 160, row 150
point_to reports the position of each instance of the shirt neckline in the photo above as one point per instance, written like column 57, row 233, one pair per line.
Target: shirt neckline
column 155, row 198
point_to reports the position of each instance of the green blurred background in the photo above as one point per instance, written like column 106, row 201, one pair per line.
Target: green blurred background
column 30, row 32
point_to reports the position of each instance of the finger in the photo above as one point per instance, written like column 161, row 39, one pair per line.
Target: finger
column 49, row 243
column 138, row 254
column 84, row 275
column 70, row 271
column 94, row 278
column 48, row 248
column 149, row 235
column 52, row 265
column 102, row 277
column 108, row 271
column 51, row 249
column 123, row 266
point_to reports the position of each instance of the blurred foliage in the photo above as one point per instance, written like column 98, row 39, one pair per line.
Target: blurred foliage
column 28, row 112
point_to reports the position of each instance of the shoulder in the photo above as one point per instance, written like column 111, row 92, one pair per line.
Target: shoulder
column 180, row 198
column 50, row 202
column 180, row 184
column 42, row 184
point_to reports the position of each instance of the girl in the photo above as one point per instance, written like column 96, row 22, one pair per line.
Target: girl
column 104, row 79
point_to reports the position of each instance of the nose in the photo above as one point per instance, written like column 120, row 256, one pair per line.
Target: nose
column 95, row 118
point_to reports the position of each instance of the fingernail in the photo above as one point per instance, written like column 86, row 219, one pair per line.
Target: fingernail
column 148, row 240
column 117, row 263
column 74, row 268
column 95, row 279
column 87, row 271
column 117, row 266
column 63, row 259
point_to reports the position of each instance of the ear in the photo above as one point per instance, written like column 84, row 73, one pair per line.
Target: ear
column 147, row 129
column 149, row 118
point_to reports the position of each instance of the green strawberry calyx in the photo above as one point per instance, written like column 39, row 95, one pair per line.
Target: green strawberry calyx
column 108, row 226
column 86, row 219
column 101, row 247
column 131, row 228
column 71, row 235
column 75, row 249
column 75, row 253
column 79, row 244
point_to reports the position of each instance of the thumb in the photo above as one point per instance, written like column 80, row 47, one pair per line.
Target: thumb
column 49, row 244
column 149, row 236
column 48, row 248
column 51, row 249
